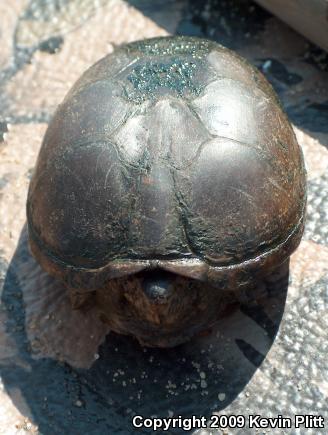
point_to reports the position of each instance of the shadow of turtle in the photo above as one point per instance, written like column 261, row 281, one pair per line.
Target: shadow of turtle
column 56, row 375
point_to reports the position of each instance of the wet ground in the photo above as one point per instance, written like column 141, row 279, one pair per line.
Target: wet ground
column 61, row 372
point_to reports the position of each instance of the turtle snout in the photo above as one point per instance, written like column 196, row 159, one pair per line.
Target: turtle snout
column 158, row 287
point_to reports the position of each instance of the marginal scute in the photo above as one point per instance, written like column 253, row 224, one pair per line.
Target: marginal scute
column 108, row 67
column 242, row 71
column 220, row 61
column 196, row 269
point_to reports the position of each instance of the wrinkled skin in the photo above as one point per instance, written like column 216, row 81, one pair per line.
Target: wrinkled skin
column 170, row 154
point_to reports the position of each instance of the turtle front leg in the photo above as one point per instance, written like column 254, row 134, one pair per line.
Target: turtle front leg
column 81, row 301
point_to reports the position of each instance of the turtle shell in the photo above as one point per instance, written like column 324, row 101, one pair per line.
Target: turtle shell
column 171, row 152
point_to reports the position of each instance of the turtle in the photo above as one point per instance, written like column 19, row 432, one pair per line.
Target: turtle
column 169, row 181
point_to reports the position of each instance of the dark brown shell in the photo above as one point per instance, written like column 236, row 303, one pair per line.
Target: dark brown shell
column 172, row 153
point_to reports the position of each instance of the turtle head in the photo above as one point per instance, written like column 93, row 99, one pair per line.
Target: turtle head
column 160, row 308
column 158, row 286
